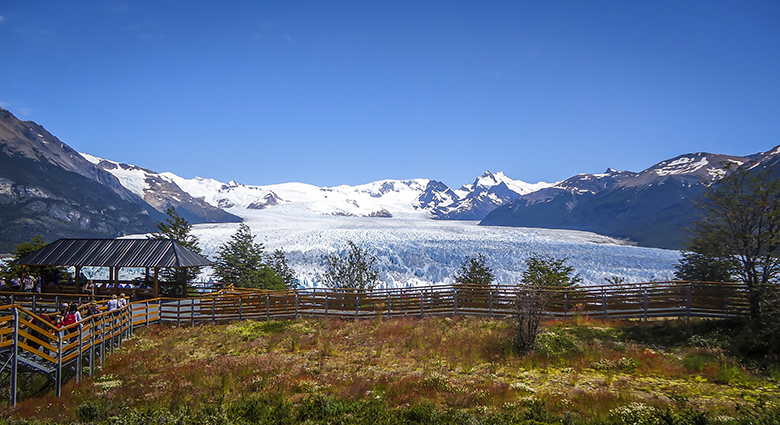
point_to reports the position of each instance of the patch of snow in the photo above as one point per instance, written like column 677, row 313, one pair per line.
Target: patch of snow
column 131, row 177
column 684, row 165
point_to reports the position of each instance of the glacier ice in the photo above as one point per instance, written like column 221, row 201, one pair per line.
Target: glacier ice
column 416, row 251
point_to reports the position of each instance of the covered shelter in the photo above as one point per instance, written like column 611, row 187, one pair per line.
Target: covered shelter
column 154, row 254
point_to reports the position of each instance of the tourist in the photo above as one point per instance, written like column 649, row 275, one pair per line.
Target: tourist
column 59, row 321
column 122, row 300
column 15, row 285
column 73, row 316
column 92, row 309
column 89, row 288
column 113, row 303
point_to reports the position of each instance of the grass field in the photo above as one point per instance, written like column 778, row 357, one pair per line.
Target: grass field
column 409, row 370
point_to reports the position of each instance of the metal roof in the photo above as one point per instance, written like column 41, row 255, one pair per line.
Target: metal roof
column 155, row 253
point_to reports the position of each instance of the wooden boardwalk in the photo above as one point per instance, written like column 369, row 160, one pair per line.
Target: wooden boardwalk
column 30, row 345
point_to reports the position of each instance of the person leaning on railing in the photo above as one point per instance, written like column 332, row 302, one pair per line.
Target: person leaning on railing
column 89, row 288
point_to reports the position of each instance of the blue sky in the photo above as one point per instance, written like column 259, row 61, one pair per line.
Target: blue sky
column 332, row 92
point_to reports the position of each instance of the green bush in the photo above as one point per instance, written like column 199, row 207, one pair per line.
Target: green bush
column 556, row 344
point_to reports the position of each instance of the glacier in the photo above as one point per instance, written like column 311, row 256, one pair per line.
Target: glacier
column 415, row 251
column 412, row 248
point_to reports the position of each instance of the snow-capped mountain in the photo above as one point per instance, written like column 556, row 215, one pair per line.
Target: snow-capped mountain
column 651, row 207
column 384, row 198
column 475, row 201
column 161, row 192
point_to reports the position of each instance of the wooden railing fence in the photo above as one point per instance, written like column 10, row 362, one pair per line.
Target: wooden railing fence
column 28, row 343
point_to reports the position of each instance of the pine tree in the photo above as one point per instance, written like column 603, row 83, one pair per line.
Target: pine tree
column 241, row 261
column 179, row 230
column 279, row 263
column 474, row 271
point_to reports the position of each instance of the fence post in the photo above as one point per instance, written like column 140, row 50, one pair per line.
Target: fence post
column 111, row 333
column 267, row 306
column 159, row 311
column 688, row 303
column 214, row 310
column 58, row 376
column 326, row 304
column 566, row 304
column 646, row 303
column 131, row 312
column 192, row 312
column 146, row 312
column 604, row 303
column 102, row 339
column 178, row 313
column 15, row 357
column 34, row 304
column 79, row 364
column 455, row 295
column 422, row 297
column 296, row 305
column 389, row 312
column 240, row 309
column 92, row 346
column 490, row 302
column 357, row 305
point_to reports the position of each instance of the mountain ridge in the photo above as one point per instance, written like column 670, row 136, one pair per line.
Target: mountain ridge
column 652, row 207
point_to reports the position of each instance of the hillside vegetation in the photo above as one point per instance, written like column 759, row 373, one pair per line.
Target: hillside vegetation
column 409, row 370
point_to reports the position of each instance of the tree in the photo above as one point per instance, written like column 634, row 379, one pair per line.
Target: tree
column 543, row 274
column 696, row 267
column 549, row 272
column 280, row 264
column 740, row 224
column 48, row 273
column 474, row 271
column 473, row 280
column 241, row 261
column 615, row 280
column 179, row 230
column 352, row 269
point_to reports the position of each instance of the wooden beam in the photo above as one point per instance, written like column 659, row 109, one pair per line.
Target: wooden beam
column 156, row 282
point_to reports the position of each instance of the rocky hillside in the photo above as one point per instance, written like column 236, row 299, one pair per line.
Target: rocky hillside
column 651, row 208
column 47, row 188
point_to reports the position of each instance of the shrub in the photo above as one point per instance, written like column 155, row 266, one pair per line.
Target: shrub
column 556, row 344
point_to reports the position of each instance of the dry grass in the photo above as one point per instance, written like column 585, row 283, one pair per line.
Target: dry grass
column 581, row 368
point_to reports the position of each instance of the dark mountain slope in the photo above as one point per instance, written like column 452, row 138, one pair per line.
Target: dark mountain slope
column 651, row 208
column 42, row 198
column 47, row 188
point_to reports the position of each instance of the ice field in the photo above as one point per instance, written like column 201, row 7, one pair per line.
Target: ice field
column 420, row 251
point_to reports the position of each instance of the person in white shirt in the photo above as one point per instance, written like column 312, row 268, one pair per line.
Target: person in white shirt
column 113, row 303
